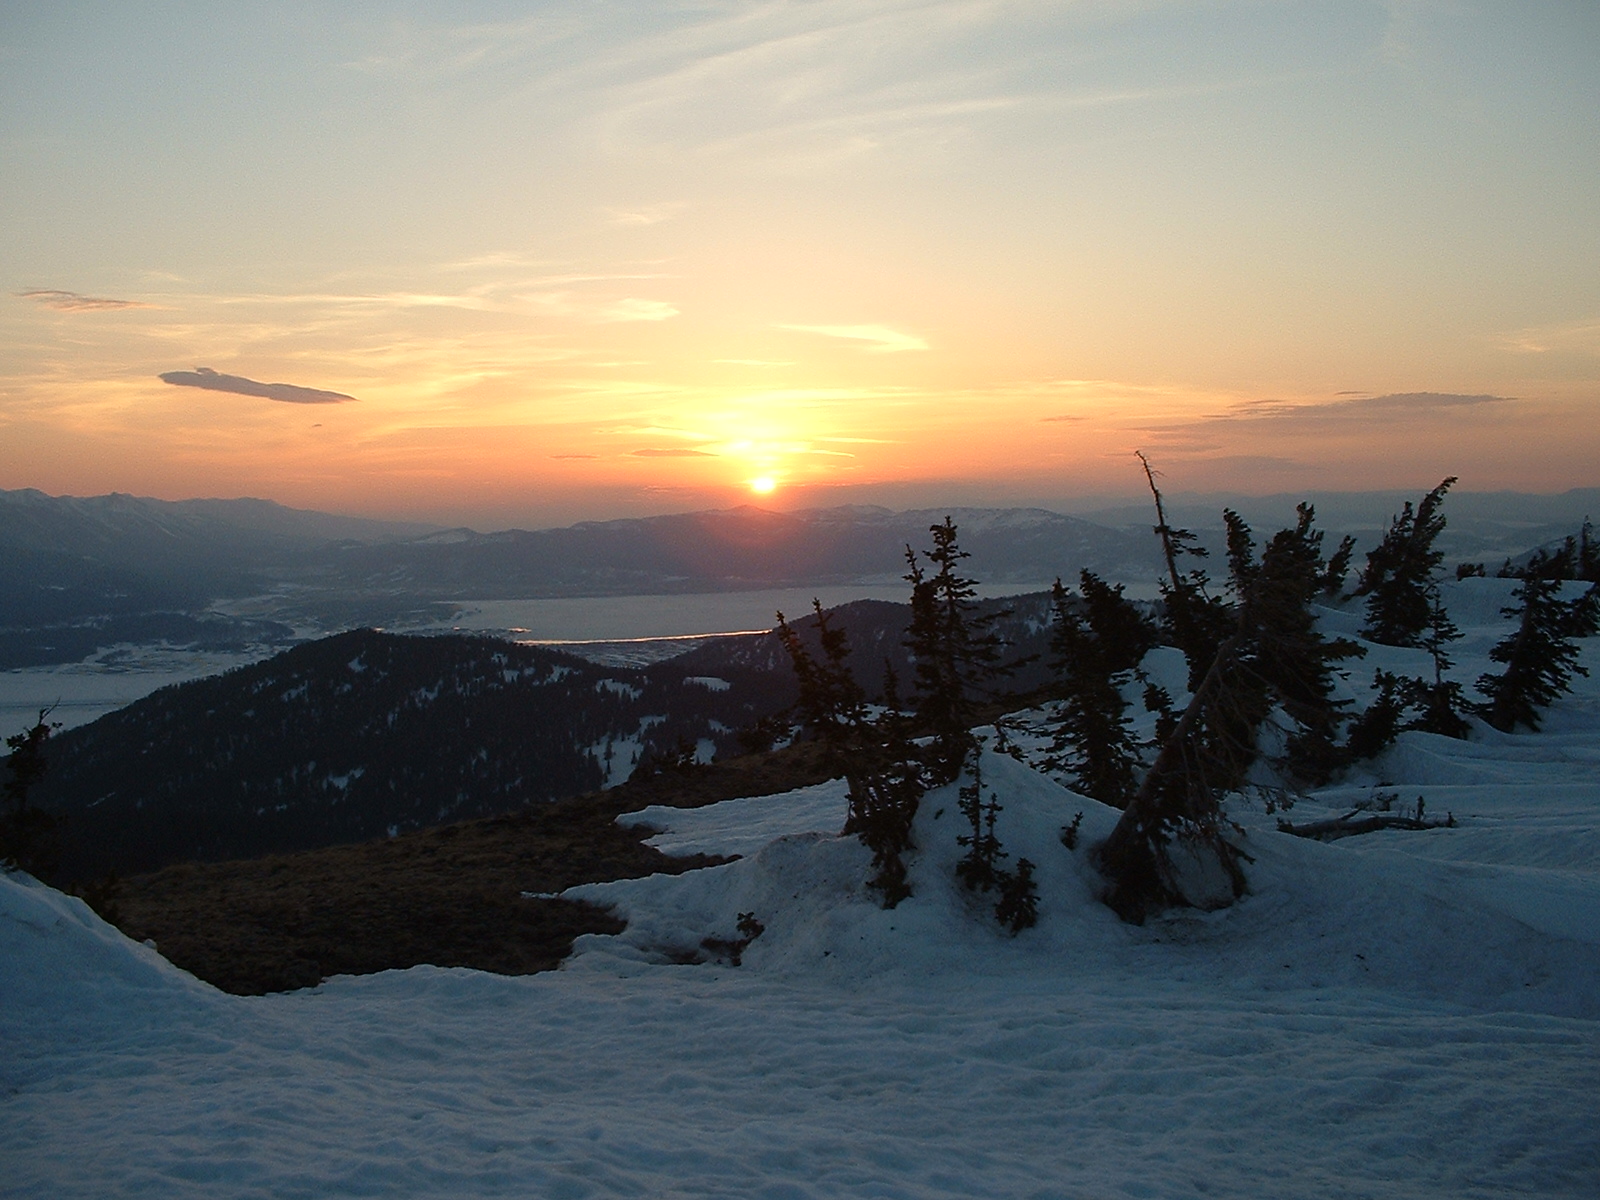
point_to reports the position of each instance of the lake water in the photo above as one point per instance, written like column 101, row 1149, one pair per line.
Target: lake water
column 656, row 627
column 619, row 618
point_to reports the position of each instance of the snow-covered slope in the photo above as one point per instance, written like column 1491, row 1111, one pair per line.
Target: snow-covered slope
column 1396, row 1015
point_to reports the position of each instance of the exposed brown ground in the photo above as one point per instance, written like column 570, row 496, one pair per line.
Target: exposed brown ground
column 450, row 896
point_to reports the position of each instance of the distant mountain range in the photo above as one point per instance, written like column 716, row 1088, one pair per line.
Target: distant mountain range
column 735, row 549
column 80, row 574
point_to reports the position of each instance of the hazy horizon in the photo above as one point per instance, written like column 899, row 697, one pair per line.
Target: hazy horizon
column 1372, row 505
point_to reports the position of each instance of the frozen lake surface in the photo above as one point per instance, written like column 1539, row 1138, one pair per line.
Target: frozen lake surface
column 85, row 691
column 615, row 630
column 619, row 618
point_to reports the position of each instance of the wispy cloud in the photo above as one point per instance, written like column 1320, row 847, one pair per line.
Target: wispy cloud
column 442, row 51
column 645, row 214
column 1572, row 337
column 671, row 452
column 287, row 393
column 1359, row 407
column 800, row 88
column 880, row 339
column 76, row 301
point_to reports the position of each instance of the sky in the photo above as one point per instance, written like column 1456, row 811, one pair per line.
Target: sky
column 523, row 264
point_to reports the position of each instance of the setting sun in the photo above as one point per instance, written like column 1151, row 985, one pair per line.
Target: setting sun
column 763, row 485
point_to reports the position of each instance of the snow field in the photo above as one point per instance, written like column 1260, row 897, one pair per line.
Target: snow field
column 619, row 1078
column 1394, row 1015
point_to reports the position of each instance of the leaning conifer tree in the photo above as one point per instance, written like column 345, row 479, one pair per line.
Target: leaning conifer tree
column 1400, row 571
column 1170, row 846
column 1197, row 622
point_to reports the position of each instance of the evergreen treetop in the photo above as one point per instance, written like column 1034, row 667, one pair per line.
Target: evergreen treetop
column 1198, row 622
column 1540, row 656
column 957, row 653
column 1401, row 569
column 1273, row 656
column 878, row 761
column 1096, row 644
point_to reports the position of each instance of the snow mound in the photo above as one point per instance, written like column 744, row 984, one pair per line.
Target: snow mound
column 745, row 825
column 807, row 885
column 1390, row 912
column 62, row 955
column 70, row 979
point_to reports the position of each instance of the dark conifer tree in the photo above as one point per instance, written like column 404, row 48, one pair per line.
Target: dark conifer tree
column 1440, row 702
column 980, row 868
column 877, row 759
column 1297, row 663
column 1338, row 568
column 1540, row 657
column 1375, row 729
column 832, row 706
column 26, row 832
column 1274, row 656
column 1197, row 622
column 1400, row 571
column 956, row 651
column 1588, row 554
column 1097, row 644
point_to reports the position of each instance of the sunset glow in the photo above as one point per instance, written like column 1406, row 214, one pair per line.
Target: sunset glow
column 534, row 263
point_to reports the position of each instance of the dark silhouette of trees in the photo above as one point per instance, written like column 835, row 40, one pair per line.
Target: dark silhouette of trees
column 1197, row 622
column 1097, row 643
column 1440, row 702
column 877, row 759
column 1576, row 558
column 1170, row 847
column 980, row 868
column 1400, row 572
column 26, row 831
column 956, row 653
column 1540, row 656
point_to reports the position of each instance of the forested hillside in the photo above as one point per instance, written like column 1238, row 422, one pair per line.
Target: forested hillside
column 355, row 736
column 367, row 733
